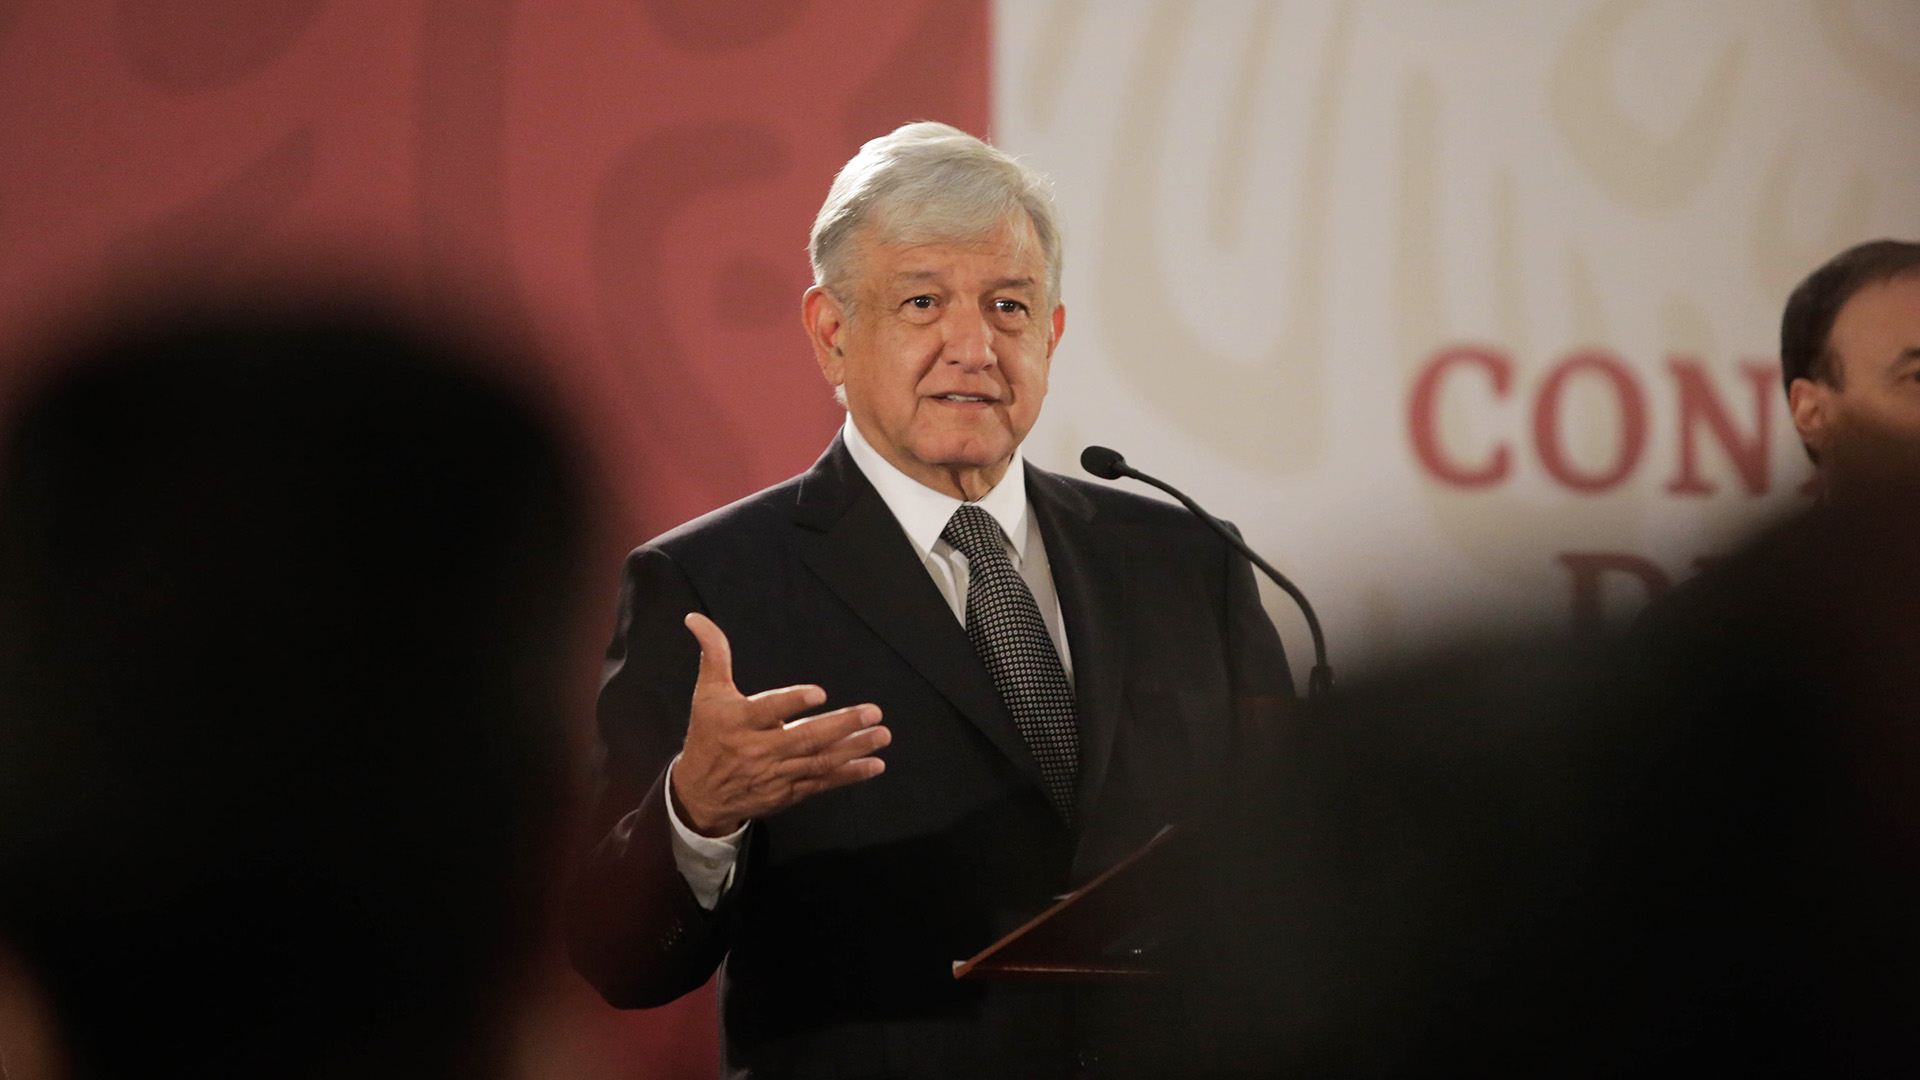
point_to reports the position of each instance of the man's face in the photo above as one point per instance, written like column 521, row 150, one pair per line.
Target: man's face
column 1867, row 429
column 944, row 356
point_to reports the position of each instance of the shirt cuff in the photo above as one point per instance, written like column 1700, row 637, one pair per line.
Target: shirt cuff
column 705, row 861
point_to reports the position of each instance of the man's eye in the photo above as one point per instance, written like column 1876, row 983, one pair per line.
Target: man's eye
column 922, row 302
column 1009, row 307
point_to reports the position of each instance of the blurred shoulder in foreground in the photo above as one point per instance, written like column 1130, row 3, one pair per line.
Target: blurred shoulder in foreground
column 1692, row 852
column 284, row 592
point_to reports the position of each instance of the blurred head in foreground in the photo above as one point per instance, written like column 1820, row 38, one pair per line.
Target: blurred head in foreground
column 1695, row 852
column 283, row 599
column 1850, row 358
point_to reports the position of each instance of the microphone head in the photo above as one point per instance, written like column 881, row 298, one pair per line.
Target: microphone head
column 1103, row 463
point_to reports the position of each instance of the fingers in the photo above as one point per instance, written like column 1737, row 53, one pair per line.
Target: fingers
column 746, row 757
column 824, row 746
column 851, row 757
column 852, row 772
column 769, row 709
column 812, row 734
column 716, row 656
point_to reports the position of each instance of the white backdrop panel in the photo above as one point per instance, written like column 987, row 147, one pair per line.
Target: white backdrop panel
column 1283, row 216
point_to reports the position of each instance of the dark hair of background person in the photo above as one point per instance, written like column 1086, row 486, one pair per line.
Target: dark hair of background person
column 1808, row 319
column 284, row 595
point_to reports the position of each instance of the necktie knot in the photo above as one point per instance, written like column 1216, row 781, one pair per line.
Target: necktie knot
column 973, row 532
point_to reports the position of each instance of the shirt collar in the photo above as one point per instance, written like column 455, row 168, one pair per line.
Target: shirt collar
column 924, row 512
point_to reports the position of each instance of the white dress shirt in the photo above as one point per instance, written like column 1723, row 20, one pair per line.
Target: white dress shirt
column 707, row 862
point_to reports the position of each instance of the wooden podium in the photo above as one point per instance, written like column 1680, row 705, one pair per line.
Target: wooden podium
column 1106, row 931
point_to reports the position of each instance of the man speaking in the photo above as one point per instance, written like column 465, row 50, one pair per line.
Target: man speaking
column 862, row 724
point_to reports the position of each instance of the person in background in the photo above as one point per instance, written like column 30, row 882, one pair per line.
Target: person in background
column 1850, row 360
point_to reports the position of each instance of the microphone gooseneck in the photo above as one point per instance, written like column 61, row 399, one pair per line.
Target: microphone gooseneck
column 1109, row 465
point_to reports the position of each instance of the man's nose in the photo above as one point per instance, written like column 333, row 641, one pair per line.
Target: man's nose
column 968, row 339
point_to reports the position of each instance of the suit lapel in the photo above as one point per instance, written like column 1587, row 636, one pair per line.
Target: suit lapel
column 851, row 540
column 1088, row 574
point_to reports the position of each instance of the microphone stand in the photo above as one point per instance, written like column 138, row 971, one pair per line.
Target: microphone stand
column 1109, row 465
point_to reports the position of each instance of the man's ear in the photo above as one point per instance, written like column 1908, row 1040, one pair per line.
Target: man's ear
column 825, row 320
column 1811, row 404
column 1059, row 327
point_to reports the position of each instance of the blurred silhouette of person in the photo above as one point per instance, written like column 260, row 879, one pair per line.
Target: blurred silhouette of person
column 1696, row 852
column 29, row 1047
column 1692, row 852
column 1784, row 676
column 284, row 599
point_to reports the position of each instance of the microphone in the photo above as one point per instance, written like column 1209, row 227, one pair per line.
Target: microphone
column 1109, row 465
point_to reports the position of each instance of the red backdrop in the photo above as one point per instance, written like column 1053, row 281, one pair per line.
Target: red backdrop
column 630, row 180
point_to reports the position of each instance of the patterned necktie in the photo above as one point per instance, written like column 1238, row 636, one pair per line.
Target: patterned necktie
column 1007, row 631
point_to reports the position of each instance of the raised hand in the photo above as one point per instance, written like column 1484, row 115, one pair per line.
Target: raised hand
column 746, row 757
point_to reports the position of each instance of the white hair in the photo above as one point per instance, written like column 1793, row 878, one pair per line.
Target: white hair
column 929, row 183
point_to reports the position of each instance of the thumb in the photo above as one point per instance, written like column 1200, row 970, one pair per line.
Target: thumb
column 716, row 656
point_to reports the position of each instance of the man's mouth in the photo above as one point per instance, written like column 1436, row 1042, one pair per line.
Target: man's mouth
column 973, row 398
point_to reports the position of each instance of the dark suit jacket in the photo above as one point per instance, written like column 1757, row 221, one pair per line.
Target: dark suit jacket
column 847, row 910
